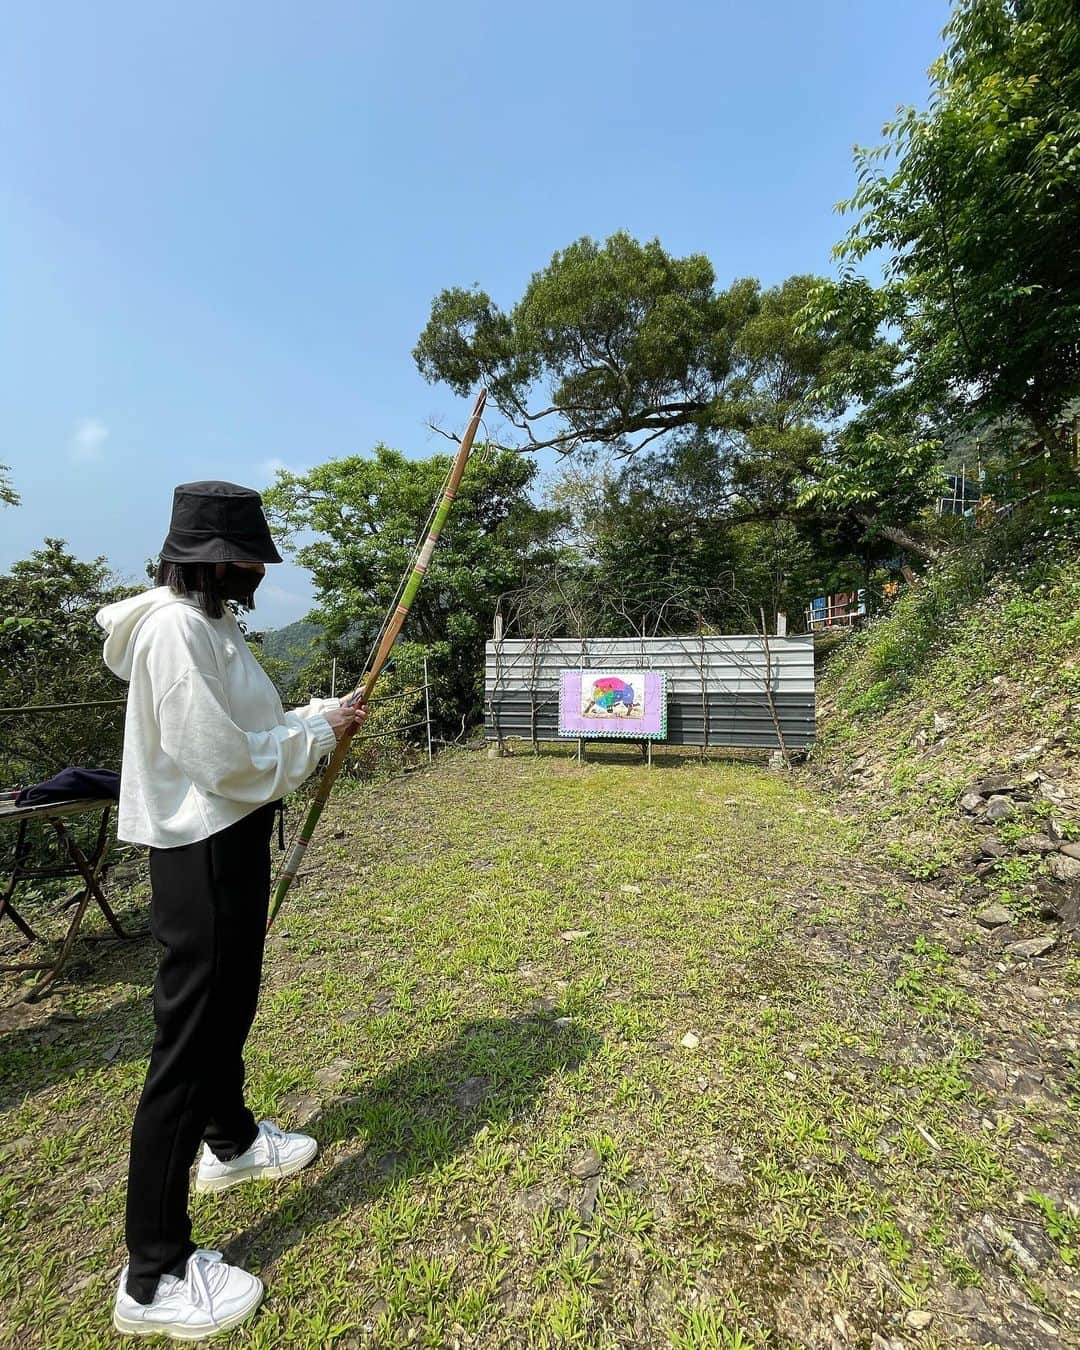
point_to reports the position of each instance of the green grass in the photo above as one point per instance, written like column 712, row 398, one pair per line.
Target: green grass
column 492, row 974
column 977, row 662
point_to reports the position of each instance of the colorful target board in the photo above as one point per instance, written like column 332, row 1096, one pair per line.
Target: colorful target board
column 607, row 702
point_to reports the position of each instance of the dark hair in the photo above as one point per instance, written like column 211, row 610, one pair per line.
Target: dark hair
column 194, row 579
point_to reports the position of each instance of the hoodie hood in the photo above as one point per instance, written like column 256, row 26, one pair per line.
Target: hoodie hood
column 123, row 620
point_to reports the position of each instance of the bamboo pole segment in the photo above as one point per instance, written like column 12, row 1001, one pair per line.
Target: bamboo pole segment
column 391, row 629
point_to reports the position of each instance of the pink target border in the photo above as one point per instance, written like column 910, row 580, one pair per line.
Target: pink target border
column 651, row 725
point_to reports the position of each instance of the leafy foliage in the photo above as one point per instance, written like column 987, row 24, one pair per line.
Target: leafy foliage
column 633, row 345
column 744, row 392
column 643, row 558
column 8, row 495
column 976, row 201
column 50, row 652
column 365, row 515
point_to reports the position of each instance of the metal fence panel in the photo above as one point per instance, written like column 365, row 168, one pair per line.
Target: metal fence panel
column 722, row 691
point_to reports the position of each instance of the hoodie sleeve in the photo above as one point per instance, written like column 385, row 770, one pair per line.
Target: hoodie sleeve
column 247, row 766
column 316, row 707
column 196, row 729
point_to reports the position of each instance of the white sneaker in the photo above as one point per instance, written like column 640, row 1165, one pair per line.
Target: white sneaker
column 273, row 1154
column 212, row 1297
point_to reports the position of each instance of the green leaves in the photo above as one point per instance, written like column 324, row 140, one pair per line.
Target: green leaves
column 353, row 523
column 976, row 202
column 8, row 495
column 620, row 345
column 50, row 652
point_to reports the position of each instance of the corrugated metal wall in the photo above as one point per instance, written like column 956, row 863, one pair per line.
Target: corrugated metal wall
column 716, row 685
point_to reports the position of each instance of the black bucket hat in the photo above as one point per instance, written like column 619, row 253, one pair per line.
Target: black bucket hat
column 218, row 522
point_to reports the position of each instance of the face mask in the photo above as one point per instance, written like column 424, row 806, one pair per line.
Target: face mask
column 240, row 584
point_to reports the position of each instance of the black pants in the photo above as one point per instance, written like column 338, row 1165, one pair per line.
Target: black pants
column 208, row 912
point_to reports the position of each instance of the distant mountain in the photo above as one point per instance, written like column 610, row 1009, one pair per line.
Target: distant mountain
column 291, row 645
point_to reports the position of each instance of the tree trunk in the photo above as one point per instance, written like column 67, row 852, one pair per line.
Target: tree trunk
column 1052, row 439
column 898, row 536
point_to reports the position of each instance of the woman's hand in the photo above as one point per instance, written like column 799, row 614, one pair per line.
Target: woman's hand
column 343, row 719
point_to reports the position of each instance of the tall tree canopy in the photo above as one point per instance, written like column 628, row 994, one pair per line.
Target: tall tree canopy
column 976, row 201
column 744, row 390
column 620, row 345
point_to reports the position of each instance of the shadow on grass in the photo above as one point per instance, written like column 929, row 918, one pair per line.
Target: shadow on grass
column 665, row 754
column 50, row 1050
column 415, row 1117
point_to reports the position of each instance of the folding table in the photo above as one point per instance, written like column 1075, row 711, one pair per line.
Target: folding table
column 72, row 861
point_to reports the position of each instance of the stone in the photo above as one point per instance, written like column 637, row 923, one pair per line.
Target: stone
column 943, row 723
column 690, row 1041
column 1031, row 947
column 996, row 848
column 1035, row 843
column 470, row 1094
column 1028, row 1085
column 1070, row 850
column 918, row 1320
column 574, row 934
column 993, row 916
column 971, row 802
column 332, row 1074
column 1064, row 867
column 587, row 1204
column 587, row 1165
column 999, row 808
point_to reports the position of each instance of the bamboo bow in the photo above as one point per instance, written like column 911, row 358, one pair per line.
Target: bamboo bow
column 388, row 634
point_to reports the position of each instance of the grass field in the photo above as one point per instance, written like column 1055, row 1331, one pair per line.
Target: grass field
column 596, row 1056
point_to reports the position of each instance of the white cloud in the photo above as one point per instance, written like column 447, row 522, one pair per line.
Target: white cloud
column 88, row 438
column 269, row 467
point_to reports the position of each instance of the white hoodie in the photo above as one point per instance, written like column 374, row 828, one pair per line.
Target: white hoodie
column 206, row 740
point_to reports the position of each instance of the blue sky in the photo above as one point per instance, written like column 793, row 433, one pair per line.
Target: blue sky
column 222, row 225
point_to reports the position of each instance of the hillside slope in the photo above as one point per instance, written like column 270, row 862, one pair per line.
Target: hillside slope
column 952, row 726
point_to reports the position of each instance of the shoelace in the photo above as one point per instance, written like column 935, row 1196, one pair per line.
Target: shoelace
column 274, row 1139
column 205, row 1276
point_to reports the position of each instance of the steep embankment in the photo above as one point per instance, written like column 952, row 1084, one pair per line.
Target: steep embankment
column 952, row 727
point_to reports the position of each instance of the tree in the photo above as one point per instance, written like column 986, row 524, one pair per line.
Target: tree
column 50, row 652
column 622, row 347
column 976, row 201
column 647, row 559
column 632, row 346
column 365, row 514
column 8, row 495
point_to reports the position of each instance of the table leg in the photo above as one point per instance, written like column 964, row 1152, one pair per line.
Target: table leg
column 6, row 907
column 88, row 871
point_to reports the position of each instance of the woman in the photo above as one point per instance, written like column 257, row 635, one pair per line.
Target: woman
column 208, row 753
